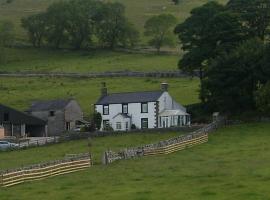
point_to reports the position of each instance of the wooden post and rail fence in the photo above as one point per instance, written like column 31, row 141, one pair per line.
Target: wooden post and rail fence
column 167, row 146
column 41, row 171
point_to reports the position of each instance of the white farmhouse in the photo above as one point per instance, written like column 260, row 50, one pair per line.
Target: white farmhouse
column 143, row 110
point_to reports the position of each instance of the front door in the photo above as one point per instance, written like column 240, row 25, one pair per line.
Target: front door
column 144, row 123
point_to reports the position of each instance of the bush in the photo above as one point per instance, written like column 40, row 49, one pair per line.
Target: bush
column 133, row 127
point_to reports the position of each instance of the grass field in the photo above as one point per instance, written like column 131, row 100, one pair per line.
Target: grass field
column 99, row 145
column 19, row 92
column 138, row 11
column 44, row 60
column 234, row 164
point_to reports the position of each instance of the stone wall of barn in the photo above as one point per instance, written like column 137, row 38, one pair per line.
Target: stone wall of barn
column 57, row 123
column 73, row 113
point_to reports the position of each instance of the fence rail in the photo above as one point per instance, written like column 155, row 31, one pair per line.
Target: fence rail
column 177, row 147
column 165, row 147
column 41, row 171
column 35, row 142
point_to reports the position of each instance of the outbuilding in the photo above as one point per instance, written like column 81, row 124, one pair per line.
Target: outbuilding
column 19, row 124
column 61, row 114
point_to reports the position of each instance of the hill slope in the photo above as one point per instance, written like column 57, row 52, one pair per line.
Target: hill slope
column 234, row 164
column 137, row 10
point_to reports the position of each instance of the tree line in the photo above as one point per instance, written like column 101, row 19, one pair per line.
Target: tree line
column 229, row 46
column 90, row 23
column 79, row 23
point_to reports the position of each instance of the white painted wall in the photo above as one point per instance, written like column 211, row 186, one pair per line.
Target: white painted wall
column 165, row 102
column 134, row 110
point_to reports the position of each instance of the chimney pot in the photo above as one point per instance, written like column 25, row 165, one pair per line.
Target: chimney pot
column 164, row 86
column 104, row 91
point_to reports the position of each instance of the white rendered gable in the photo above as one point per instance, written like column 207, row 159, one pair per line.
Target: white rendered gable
column 166, row 102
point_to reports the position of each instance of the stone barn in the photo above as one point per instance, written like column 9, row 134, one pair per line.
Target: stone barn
column 60, row 115
column 19, row 124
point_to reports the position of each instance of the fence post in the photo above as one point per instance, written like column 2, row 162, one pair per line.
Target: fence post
column 2, row 179
column 105, row 158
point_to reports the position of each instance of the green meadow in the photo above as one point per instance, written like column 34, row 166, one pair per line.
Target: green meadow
column 234, row 164
column 20, row 92
column 45, row 60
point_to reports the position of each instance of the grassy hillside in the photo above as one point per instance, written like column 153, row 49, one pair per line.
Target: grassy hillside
column 234, row 164
column 44, row 60
column 138, row 11
column 19, row 92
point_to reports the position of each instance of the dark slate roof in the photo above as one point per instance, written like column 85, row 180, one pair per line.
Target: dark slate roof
column 130, row 97
column 18, row 117
column 58, row 104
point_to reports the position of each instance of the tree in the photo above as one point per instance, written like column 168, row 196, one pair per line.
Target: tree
column 176, row 2
column 80, row 22
column 232, row 78
column 97, row 120
column 193, row 33
column 255, row 15
column 57, row 15
column 113, row 28
column 6, row 33
column 263, row 98
column 6, row 38
column 224, row 32
column 160, row 29
column 36, row 28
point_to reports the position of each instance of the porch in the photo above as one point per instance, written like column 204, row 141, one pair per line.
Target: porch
column 173, row 118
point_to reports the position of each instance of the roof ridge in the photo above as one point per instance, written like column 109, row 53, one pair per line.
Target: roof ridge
column 135, row 92
column 21, row 112
column 50, row 100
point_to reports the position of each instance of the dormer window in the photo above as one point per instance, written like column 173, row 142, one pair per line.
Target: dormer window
column 125, row 108
column 144, row 108
column 51, row 113
column 105, row 109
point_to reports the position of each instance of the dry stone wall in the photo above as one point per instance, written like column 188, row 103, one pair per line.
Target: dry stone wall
column 166, row 146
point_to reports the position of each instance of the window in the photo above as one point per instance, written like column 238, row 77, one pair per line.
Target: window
column 106, row 124
column 51, row 113
column 144, row 123
column 125, row 108
column 106, row 110
column 6, row 117
column 118, row 126
column 144, row 107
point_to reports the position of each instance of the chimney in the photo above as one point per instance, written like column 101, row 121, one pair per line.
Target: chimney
column 104, row 91
column 164, row 87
